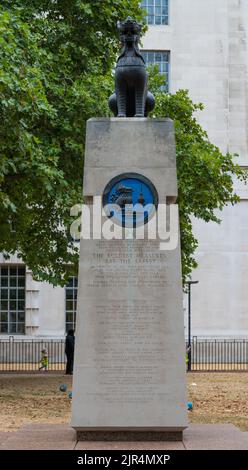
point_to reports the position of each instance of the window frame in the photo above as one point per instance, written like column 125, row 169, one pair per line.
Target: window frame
column 12, row 295
column 166, row 87
column 154, row 16
column 73, row 299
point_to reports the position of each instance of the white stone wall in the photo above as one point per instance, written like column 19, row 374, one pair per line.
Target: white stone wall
column 220, row 300
column 209, row 57
column 45, row 306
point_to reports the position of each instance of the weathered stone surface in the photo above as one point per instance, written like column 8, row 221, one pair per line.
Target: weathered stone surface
column 215, row 437
column 62, row 437
column 139, row 145
column 130, row 436
column 130, row 357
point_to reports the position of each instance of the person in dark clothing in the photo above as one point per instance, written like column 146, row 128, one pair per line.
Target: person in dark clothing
column 69, row 351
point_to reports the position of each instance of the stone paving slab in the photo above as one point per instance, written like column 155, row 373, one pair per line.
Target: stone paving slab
column 36, row 445
column 3, row 437
column 127, row 445
column 215, row 437
column 43, row 426
column 63, row 437
column 54, row 435
column 41, row 437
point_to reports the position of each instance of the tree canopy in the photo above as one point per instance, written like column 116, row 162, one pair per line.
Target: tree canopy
column 56, row 61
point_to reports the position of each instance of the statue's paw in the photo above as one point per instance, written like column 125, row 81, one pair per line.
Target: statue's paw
column 121, row 115
column 139, row 115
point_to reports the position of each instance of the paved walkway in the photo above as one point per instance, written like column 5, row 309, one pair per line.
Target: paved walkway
column 63, row 437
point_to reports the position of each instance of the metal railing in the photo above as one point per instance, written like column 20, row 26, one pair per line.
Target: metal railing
column 223, row 355
column 25, row 355
column 214, row 355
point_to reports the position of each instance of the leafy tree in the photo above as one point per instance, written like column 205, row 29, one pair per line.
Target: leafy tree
column 56, row 59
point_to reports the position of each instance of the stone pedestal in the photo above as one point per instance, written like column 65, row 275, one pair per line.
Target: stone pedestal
column 129, row 371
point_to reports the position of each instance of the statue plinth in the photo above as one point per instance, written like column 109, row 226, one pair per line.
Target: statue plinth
column 129, row 373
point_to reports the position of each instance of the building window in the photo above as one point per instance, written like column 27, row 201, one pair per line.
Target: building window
column 12, row 299
column 162, row 60
column 157, row 11
column 71, row 303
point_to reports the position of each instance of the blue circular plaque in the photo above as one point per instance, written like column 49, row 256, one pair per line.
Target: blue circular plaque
column 130, row 199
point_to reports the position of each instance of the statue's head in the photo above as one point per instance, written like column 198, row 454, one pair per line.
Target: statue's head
column 129, row 30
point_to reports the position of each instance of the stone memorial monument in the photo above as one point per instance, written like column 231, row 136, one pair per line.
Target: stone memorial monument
column 129, row 371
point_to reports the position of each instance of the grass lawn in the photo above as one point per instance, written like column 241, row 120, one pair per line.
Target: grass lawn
column 216, row 397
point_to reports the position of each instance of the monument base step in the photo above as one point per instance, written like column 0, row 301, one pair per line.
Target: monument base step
column 130, row 436
column 63, row 437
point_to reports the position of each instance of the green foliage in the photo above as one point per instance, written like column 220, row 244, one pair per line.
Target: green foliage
column 56, row 60
column 55, row 73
